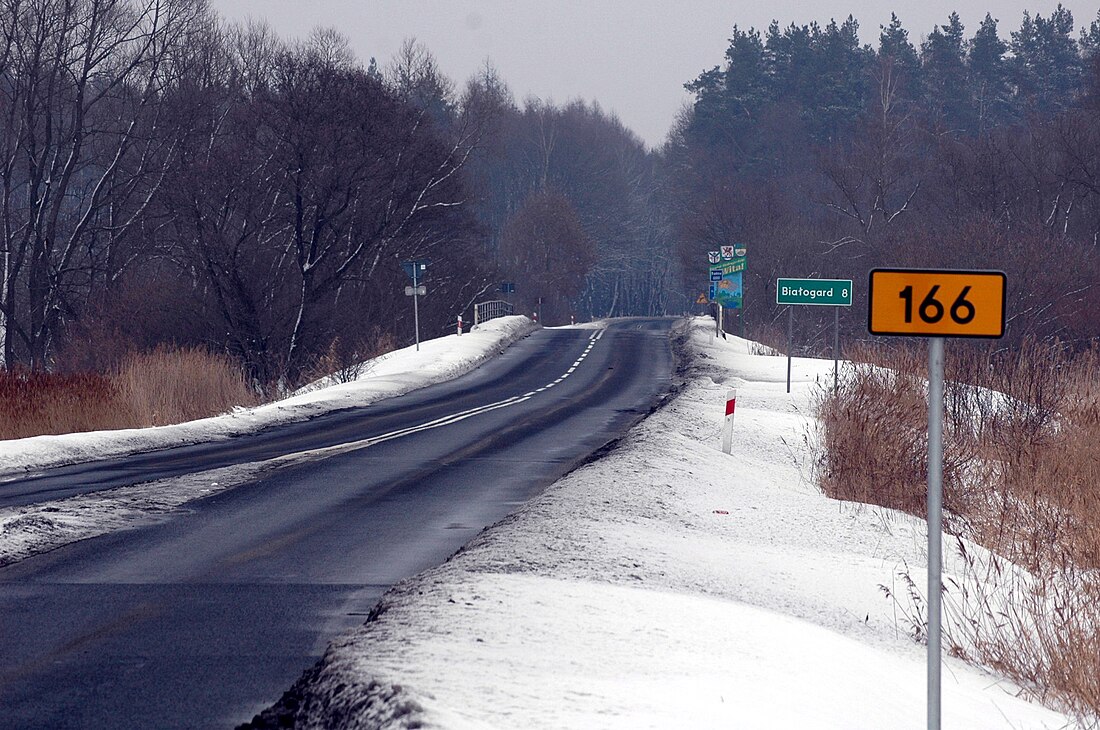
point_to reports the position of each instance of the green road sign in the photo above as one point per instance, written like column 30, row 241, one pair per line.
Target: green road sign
column 819, row 292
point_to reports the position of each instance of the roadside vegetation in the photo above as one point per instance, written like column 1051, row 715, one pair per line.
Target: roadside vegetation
column 145, row 389
column 1021, row 470
column 214, row 185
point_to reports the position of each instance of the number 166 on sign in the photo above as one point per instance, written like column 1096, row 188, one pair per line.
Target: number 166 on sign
column 935, row 303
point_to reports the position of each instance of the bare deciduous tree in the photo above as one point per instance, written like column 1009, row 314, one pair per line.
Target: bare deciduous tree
column 83, row 149
column 873, row 176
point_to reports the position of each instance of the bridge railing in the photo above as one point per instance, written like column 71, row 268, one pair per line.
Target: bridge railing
column 485, row 311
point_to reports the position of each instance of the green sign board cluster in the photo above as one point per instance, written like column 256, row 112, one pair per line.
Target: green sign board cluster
column 726, row 269
column 820, row 292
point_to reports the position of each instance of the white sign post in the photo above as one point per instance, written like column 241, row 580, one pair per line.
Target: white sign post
column 727, row 426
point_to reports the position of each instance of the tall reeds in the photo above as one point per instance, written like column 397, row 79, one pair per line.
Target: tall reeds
column 146, row 389
column 1021, row 479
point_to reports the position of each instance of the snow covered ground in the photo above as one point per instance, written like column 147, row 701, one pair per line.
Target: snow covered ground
column 31, row 529
column 393, row 374
column 665, row 585
column 668, row 585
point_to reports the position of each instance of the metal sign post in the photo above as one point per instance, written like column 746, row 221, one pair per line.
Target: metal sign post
column 935, row 524
column 790, row 343
column 415, row 270
column 936, row 304
column 836, row 346
column 416, row 307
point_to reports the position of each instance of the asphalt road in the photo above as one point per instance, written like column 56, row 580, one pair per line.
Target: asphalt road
column 205, row 619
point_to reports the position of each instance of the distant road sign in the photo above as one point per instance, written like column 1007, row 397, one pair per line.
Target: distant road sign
column 415, row 269
column 936, row 303
column 818, row 292
column 701, row 299
column 714, row 256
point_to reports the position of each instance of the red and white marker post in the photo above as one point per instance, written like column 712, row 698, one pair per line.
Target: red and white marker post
column 727, row 426
column 460, row 324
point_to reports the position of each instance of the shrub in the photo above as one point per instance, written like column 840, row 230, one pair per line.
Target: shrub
column 1021, row 469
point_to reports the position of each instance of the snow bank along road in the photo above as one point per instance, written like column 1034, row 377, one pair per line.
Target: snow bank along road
column 668, row 585
column 204, row 618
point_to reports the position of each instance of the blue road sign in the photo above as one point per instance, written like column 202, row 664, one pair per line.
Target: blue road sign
column 415, row 269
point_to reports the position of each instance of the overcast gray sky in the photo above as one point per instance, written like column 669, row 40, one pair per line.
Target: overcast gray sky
column 632, row 56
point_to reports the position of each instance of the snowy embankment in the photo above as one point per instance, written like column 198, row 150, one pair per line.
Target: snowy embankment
column 667, row 585
column 32, row 529
column 390, row 375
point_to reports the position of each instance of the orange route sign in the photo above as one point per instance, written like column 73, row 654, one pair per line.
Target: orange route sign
column 936, row 303
column 701, row 299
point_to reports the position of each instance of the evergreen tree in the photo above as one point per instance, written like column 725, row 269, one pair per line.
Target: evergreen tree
column 728, row 100
column 989, row 75
column 1090, row 41
column 943, row 69
column 791, row 61
column 373, row 71
column 840, row 66
column 746, row 86
column 1046, row 67
column 897, row 55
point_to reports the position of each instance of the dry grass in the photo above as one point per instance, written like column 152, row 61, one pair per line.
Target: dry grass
column 176, row 385
column 1021, row 478
column 32, row 404
column 875, row 435
column 149, row 389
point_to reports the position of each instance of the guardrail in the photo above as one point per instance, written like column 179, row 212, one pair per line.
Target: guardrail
column 485, row 311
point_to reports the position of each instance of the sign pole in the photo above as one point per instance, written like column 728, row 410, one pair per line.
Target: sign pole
column 836, row 345
column 833, row 293
column 416, row 306
column 790, row 343
column 936, row 303
column 718, row 321
column 935, row 523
